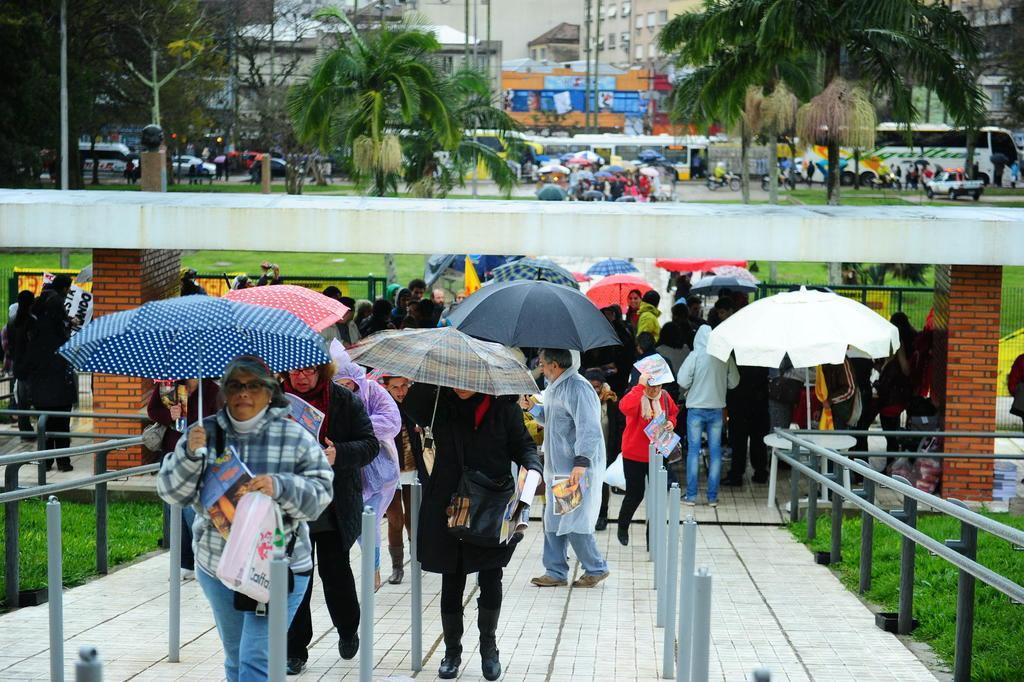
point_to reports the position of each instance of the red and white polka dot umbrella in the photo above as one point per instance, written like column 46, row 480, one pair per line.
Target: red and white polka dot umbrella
column 313, row 308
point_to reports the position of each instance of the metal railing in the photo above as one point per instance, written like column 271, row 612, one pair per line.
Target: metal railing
column 961, row 552
column 13, row 495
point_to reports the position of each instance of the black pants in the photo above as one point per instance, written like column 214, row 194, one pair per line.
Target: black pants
column 892, row 444
column 453, row 586
column 636, row 485
column 61, row 424
column 339, row 584
column 748, row 421
column 23, row 401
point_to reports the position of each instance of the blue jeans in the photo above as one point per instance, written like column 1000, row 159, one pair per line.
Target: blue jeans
column 243, row 633
column 699, row 420
column 188, row 557
column 556, row 564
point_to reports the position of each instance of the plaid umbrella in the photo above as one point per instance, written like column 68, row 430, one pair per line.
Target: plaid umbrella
column 444, row 356
column 611, row 266
column 192, row 337
column 615, row 290
column 313, row 308
column 534, row 268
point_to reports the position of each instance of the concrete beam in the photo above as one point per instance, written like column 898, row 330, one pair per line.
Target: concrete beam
column 969, row 235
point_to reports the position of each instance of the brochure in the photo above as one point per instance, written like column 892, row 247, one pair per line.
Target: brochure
column 660, row 433
column 656, row 368
column 225, row 481
column 309, row 417
column 567, row 497
column 517, row 512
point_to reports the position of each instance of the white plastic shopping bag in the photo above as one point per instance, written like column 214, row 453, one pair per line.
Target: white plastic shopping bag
column 245, row 564
column 614, row 476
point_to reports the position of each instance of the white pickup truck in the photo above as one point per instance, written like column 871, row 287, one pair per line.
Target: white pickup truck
column 953, row 183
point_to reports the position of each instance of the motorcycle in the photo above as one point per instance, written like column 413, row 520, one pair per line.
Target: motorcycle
column 886, row 181
column 784, row 182
column 728, row 180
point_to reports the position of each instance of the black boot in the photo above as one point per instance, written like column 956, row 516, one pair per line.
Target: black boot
column 487, row 621
column 451, row 623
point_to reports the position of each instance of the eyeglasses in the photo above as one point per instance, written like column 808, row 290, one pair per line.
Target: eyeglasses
column 233, row 386
column 307, row 371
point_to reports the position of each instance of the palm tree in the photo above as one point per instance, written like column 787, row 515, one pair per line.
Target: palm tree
column 771, row 115
column 367, row 89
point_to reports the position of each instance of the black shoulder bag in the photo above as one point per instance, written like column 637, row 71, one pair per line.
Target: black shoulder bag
column 477, row 508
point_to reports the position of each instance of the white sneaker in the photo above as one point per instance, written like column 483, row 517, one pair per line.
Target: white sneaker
column 690, row 503
column 187, row 575
column 713, row 504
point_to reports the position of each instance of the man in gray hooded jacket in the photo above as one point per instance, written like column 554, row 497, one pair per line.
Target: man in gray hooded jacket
column 705, row 379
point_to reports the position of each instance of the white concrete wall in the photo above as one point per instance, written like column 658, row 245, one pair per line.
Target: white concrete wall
column 84, row 219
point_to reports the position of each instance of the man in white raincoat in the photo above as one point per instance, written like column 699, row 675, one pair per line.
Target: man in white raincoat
column 573, row 447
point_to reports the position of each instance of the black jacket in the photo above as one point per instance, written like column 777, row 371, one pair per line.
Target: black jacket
column 490, row 449
column 350, row 430
column 50, row 376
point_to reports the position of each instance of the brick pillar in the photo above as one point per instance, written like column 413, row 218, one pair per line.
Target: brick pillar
column 123, row 279
column 966, row 354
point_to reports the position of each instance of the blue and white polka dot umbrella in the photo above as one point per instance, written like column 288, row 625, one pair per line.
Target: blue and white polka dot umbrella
column 192, row 337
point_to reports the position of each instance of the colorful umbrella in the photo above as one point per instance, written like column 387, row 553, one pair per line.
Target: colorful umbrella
column 739, row 273
column 553, row 168
column 615, row 290
column 650, row 171
column 683, row 265
column 534, row 315
column 192, row 337
column 313, row 308
column 611, row 266
column 534, row 268
column 580, row 277
column 444, row 356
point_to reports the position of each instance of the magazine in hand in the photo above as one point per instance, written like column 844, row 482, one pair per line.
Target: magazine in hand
column 656, row 368
column 567, row 497
column 661, row 434
column 517, row 512
column 308, row 417
column 225, row 481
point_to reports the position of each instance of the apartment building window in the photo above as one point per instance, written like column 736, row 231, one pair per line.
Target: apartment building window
column 650, row 20
column 625, row 9
column 612, row 11
column 639, row 23
column 663, row 16
column 611, row 41
column 639, row 52
column 624, row 38
column 650, row 50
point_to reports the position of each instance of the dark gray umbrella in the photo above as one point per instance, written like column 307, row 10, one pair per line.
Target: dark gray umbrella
column 534, row 315
column 714, row 285
column 551, row 193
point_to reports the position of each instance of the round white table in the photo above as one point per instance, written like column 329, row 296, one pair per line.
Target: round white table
column 824, row 439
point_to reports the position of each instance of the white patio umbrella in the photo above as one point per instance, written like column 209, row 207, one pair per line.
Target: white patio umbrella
column 811, row 327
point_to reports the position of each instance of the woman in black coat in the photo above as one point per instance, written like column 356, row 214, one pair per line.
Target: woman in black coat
column 486, row 434
column 51, row 379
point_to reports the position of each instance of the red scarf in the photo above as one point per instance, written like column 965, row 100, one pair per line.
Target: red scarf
column 481, row 411
column 319, row 397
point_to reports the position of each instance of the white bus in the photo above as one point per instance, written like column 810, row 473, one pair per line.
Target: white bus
column 111, row 156
column 615, row 149
column 938, row 146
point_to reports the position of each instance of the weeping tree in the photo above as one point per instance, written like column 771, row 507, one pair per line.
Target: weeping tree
column 840, row 116
column 769, row 115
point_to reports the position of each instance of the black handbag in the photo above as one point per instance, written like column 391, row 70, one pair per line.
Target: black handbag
column 1017, row 406
column 477, row 509
column 784, row 389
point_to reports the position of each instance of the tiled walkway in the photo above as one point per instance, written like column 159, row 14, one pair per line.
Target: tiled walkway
column 772, row 606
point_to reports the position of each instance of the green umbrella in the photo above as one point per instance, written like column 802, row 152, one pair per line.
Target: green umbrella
column 551, row 193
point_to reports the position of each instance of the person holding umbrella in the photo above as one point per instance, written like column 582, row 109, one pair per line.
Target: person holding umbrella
column 288, row 465
column 472, row 432
column 347, row 438
column 573, row 447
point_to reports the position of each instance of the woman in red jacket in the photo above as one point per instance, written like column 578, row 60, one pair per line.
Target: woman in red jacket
column 642, row 404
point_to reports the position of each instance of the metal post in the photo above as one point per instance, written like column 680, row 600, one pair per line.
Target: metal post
column 41, row 446
column 416, row 580
column 277, row 615
column 762, row 675
column 651, row 454
column 668, row 667
column 685, row 628
column 908, row 515
column 88, row 667
column 702, row 626
column 64, row 136
column 835, row 553
column 812, row 499
column 165, row 541
column 867, row 538
column 55, row 585
column 174, row 593
column 369, row 535
column 12, row 513
column 100, row 467
column 660, row 560
column 968, row 546
column 794, row 486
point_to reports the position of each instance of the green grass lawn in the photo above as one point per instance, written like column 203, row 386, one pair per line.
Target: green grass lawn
column 998, row 624
column 133, row 530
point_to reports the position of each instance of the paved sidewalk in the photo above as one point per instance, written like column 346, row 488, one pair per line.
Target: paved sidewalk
column 772, row 606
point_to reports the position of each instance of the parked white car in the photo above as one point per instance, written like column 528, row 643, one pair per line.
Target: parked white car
column 953, row 183
column 183, row 162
